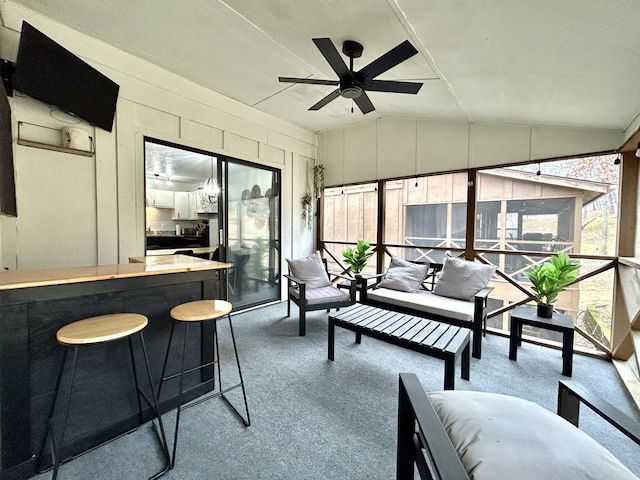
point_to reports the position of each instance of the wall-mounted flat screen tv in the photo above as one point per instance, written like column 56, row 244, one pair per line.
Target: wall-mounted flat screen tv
column 47, row 71
column 7, row 180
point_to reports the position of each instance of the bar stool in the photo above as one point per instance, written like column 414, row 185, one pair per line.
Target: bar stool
column 202, row 311
column 93, row 331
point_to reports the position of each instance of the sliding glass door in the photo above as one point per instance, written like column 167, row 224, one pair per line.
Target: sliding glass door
column 208, row 205
column 253, row 233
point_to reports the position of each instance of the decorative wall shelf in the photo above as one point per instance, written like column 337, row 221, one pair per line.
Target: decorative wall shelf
column 56, row 148
column 48, row 144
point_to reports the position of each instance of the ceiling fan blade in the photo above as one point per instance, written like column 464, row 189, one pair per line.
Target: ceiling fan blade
column 332, row 96
column 392, row 86
column 313, row 81
column 328, row 49
column 389, row 60
column 364, row 103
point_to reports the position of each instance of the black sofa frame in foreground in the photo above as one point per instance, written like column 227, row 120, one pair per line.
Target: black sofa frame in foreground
column 424, row 443
column 478, row 326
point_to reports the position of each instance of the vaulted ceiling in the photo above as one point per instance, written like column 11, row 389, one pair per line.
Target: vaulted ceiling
column 541, row 62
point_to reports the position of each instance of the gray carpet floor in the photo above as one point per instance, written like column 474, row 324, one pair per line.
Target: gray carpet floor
column 317, row 419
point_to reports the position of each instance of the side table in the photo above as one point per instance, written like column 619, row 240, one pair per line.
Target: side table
column 559, row 322
column 360, row 286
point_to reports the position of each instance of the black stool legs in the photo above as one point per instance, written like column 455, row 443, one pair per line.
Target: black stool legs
column 218, row 391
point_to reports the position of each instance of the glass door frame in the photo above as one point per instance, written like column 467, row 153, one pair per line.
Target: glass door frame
column 222, row 235
column 275, row 243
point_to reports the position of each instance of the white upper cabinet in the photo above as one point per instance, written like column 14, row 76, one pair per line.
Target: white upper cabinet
column 160, row 198
column 185, row 206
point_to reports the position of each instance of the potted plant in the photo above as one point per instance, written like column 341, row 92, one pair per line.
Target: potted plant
column 357, row 257
column 549, row 279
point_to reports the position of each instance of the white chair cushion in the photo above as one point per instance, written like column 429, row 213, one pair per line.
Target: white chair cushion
column 499, row 436
column 310, row 270
column 425, row 301
column 315, row 296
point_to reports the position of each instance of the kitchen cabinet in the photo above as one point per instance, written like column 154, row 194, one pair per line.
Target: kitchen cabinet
column 185, row 206
column 160, row 198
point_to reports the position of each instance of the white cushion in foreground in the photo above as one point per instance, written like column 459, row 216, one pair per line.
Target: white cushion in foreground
column 502, row 437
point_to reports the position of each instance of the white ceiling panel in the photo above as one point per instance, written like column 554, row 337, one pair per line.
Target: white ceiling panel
column 543, row 62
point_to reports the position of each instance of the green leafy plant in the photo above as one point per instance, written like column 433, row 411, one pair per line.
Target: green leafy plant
column 357, row 257
column 550, row 278
column 307, row 210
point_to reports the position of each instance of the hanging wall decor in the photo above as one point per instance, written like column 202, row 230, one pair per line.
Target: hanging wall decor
column 307, row 210
column 318, row 179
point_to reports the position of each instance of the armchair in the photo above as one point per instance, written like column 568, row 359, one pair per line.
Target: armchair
column 309, row 287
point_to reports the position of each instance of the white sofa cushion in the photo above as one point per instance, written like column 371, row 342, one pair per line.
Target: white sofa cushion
column 425, row 301
column 404, row 276
column 499, row 436
column 462, row 279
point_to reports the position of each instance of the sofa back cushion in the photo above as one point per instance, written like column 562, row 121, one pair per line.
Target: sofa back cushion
column 310, row 270
column 404, row 276
column 463, row 279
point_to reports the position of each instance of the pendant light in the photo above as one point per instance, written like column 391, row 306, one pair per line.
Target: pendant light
column 209, row 189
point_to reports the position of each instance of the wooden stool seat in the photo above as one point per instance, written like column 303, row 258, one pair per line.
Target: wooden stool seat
column 200, row 310
column 103, row 328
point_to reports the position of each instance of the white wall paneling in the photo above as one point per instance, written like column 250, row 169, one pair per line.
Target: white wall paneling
column 271, row 154
column 397, row 158
column 404, row 146
column 56, row 198
column 235, row 144
column 302, row 237
column 498, row 144
column 331, row 155
column 442, row 146
column 559, row 142
column 201, row 133
column 360, row 152
column 106, row 191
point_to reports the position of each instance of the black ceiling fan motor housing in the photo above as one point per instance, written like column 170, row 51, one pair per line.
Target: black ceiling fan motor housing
column 352, row 49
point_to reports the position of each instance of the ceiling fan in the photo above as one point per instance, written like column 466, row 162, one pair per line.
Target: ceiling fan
column 355, row 85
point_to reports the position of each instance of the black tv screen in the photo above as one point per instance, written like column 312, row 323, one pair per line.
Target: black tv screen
column 47, row 71
column 7, row 180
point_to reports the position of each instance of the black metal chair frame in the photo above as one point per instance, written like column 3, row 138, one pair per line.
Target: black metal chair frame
column 218, row 392
column 305, row 307
column 56, row 449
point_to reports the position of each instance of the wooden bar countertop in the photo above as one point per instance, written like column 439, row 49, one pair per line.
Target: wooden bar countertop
column 138, row 267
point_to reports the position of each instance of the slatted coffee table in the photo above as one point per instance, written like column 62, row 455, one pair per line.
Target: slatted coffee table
column 432, row 338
